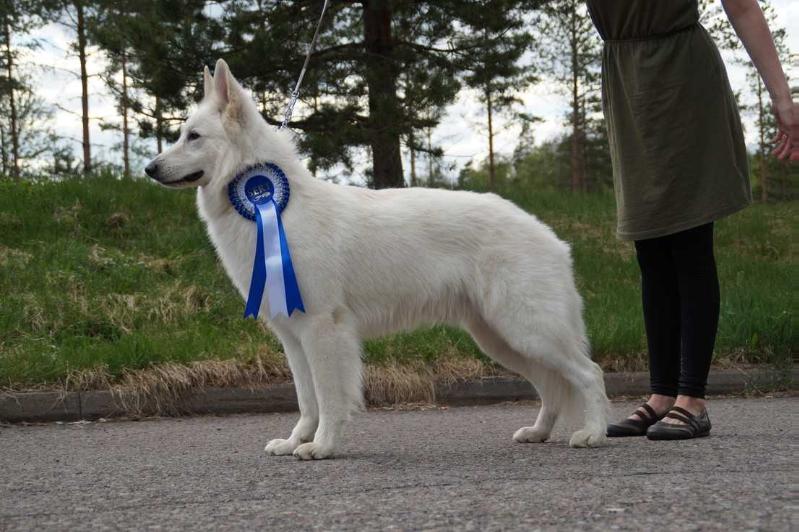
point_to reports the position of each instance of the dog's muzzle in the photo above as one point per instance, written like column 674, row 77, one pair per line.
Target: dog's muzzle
column 152, row 170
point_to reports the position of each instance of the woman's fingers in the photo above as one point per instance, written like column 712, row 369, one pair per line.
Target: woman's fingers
column 778, row 150
column 787, row 138
column 786, row 148
column 779, row 143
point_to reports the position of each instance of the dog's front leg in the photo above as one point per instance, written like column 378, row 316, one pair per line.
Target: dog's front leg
column 333, row 351
column 305, row 428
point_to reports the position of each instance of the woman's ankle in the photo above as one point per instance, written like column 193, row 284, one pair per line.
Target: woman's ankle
column 661, row 403
column 695, row 405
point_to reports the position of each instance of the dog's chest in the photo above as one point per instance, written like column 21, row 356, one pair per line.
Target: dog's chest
column 233, row 238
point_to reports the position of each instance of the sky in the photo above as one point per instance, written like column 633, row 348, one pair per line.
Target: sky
column 461, row 134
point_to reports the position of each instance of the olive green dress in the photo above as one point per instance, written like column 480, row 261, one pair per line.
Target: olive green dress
column 676, row 142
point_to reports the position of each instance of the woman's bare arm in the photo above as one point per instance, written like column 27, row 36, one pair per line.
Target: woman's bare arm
column 750, row 25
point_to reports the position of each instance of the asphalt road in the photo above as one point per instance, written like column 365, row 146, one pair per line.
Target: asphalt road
column 444, row 469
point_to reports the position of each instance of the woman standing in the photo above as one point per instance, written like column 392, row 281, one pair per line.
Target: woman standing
column 679, row 164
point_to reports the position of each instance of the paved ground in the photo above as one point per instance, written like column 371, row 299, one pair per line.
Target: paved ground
column 409, row 470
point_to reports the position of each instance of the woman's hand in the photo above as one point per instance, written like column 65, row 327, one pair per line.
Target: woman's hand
column 750, row 25
column 787, row 139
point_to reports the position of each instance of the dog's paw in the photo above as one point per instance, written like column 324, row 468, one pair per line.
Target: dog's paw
column 280, row 447
column 313, row 451
column 530, row 435
column 587, row 438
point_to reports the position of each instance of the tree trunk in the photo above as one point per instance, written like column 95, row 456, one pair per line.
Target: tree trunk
column 84, row 83
column 3, row 151
column 411, row 145
column 381, row 79
column 159, row 124
column 577, row 168
column 762, row 148
column 429, row 156
column 14, row 132
column 582, row 144
column 124, row 108
column 491, row 167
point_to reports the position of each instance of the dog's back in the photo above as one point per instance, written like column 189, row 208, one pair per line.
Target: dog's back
column 404, row 257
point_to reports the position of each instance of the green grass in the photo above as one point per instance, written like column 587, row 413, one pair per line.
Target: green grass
column 756, row 253
column 119, row 274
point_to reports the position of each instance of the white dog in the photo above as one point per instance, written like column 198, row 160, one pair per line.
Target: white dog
column 372, row 262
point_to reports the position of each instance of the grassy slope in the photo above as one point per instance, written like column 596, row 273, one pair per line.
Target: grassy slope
column 120, row 273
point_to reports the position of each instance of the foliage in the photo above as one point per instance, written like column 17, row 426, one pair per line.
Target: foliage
column 571, row 57
column 383, row 70
column 543, row 166
column 23, row 138
column 40, row 149
column 772, row 179
column 495, row 71
column 381, row 79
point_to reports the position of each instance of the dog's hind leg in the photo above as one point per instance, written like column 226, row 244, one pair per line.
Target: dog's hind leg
column 569, row 374
column 333, row 352
column 551, row 397
column 306, row 398
column 587, row 379
column 552, row 401
column 555, row 394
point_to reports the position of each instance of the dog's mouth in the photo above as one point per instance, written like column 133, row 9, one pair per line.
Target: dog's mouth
column 192, row 177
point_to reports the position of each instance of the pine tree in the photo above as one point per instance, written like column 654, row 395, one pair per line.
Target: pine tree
column 370, row 53
column 9, row 89
column 571, row 55
column 16, row 17
column 494, row 69
column 765, row 122
column 714, row 20
column 157, row 50
column 171, row 55
column 109, row 30
column 76, row 16
column 756, row 102
column 36, row 140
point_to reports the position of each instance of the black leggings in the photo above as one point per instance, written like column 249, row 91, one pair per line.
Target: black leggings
column 680, row 292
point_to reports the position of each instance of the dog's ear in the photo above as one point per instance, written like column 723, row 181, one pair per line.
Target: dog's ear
column 221, row 82
column 208, row 83
column 228, row 91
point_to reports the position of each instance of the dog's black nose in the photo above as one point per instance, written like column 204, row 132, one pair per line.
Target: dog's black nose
column 151, row 169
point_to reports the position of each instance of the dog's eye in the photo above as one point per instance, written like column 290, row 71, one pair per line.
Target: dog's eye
column 193, row 135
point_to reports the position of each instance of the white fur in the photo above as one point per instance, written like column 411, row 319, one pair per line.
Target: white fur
column 374, row 262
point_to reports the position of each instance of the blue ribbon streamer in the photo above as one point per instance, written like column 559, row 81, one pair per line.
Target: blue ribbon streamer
column 258, row 281
column 283, row 290
column 292, row 288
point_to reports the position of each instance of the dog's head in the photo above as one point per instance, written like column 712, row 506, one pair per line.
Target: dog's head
column 212, row 138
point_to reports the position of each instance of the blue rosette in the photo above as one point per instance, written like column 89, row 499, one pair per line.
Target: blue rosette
column 260, row 193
